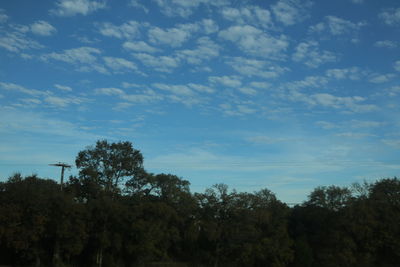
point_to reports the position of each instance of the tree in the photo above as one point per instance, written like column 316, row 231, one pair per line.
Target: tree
column 108, row 164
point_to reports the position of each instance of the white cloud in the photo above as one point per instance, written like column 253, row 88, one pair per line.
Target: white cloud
column 205, row 50
column 185, row 8
column 209, row 26
column 260, row 85
column 396, row 65
column 201, row 88
column 310, row 54
column 87, row 55
column 46, row 96
column 3, row 16
column 174, row 37
column 393, row 91
column 254, row 67
column 42, row 28
column 337, row 26
column 62, row 102
column 63, row 88
column 248, row 15
column 229, row 81
column 390, row 16
column 128, row 30
column 326, row 125
column 109, row 91
column 386, row 44
column 290, row 12
column 394, row 143
column 135, row 3
column 17, row 41
column 119, row 65
column 158, row 63
column 184, row 94
column 344, row 103
column 248, row 91
column 31, row 101
column 67, row 8
column 355, row 135
column 237, row 109
column 307, row 83
column 19, row 88
column 353, row 73
column 143, row 96
column 381, row 78
column 84, row 58
column 139, row 46
column 267, row 140
column 256, row 42
column 175, row 89
column 366, row 124
column 178, row 8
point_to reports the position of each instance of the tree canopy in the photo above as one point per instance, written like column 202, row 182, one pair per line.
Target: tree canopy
column 154, row 220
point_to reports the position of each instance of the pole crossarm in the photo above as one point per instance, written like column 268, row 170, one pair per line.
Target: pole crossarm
column 63, row 166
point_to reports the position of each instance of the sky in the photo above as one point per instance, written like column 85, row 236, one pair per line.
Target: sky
column 286, row 95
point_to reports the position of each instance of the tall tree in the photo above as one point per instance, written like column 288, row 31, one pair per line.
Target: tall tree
column 107, row 164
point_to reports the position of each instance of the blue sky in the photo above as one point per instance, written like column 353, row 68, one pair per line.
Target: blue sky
column 287, row 94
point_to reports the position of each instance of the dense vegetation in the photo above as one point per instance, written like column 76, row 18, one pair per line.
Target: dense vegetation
column 114, row 213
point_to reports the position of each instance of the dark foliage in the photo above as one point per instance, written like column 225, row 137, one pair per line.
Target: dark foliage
column 154, row 220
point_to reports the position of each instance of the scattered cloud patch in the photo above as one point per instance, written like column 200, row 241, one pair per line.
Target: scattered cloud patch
column 209, row 26
column 85, row 59
column 63, row 102
column 355, row 135
column 182, row 8
column 337, row 26
column 290, row 12
column 228, row 81
column 381, row 78
column 353, row 73
column 396, row 65
column 241, row 109
column 267, row 140
column 173, row 37
column 139, row 46
column 257, row 68
column 390, row 16
column 136, row 4
column 127, row 30
column 307, row 83
column 63, row 88
column 326, row 125
column 42, row 28
column 324, row 100
column 311, row 55
column 386, row 44
column 143, row 96
column 206, row 49
column 256, row 42
column 19, row 88
column 252, row 15
column 158, row 63
column 17, row 41
column 68, row 8
column 3, row 16
column 394, row 143
column 119, row 65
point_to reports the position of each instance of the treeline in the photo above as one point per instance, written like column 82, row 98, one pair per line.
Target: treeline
column 114, row 213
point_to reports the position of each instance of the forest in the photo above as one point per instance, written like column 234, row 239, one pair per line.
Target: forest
column 115, row 213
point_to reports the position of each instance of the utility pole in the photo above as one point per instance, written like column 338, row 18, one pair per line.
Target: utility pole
column 63, row 166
